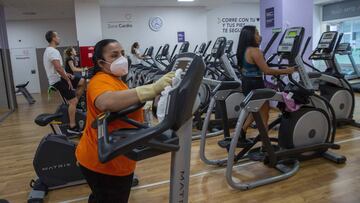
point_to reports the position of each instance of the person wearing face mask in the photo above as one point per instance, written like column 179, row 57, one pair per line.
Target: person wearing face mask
column 253, row 67
column 111, row 182
column 58, row 78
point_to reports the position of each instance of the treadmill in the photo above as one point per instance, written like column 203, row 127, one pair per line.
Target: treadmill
column 353, row 76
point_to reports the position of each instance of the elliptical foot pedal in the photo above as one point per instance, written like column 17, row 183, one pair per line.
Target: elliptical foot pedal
column 285, row 166
column 225, row 143
column 258, row 154
column 215, row 130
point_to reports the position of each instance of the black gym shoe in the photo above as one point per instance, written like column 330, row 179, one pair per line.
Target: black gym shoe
column 74, row 131
column 242, row 142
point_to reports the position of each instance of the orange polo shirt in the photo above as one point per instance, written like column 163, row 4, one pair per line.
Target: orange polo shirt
column 87, row 149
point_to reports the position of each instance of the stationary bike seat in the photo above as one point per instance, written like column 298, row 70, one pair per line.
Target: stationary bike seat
column 22, row 85
column 46, row 118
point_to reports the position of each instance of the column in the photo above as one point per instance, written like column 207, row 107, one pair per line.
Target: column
column 7, row 89
column 287, row 13
column 88, row 28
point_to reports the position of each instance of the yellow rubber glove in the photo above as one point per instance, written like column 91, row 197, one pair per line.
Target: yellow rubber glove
column 148, row 92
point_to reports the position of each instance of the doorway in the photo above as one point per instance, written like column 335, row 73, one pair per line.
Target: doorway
column 25, row 68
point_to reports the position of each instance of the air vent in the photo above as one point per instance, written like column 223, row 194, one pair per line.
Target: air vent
column 29, row 13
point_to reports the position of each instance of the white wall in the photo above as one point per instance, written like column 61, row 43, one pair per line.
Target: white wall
column 32, row 32
column 190, row 20
column 198, row 23
column 27, row 34
column 317, row 23
column 88, row 24
column 243, row 14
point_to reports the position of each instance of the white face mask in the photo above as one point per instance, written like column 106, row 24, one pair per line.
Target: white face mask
column 119, row 67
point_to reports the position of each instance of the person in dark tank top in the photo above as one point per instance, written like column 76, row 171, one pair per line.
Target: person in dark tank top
column 253, row 67
column 71, row 63
column 72, row 67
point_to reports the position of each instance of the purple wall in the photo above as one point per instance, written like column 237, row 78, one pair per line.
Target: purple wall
column 288, row 13
column 299, row 13
column 266, row 33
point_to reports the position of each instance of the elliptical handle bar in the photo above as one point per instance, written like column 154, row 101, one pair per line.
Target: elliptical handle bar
column 279, row 65
column 271, row 42
column 207, row 48
column 303, row 53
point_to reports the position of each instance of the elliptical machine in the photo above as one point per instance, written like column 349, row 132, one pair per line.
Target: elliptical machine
column 173, row 134
column 226, row 99
column 333, row 85
column 303, row 134
column 213, row 96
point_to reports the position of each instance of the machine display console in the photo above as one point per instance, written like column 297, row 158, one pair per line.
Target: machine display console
column 343, row 47
column 183, row 63
column 325, row 47
column 327, row 40
column 216, row 46
column 229, row 45
column 287, row 42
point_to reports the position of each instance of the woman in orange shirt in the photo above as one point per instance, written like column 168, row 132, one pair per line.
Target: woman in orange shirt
column 111, row 182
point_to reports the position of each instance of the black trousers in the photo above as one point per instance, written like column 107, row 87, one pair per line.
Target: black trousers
column 251, row 83
column 107, row 188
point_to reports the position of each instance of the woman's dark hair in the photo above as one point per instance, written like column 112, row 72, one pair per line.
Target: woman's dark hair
column 98, row 52
column 68, row 51
column 134, row 46
column 246, row 39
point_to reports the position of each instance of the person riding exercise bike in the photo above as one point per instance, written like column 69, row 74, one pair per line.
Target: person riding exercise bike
column 136, row 56
column 64, row 82
column 111, row 182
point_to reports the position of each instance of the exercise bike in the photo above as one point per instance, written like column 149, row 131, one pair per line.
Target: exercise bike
column 21, row 88
column 54, row 162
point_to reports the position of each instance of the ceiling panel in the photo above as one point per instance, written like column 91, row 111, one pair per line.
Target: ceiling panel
column 205, row 3
column 38, row 9
column 325, row 2
column 55, row 9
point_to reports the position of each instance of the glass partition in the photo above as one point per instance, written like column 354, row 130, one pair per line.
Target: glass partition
column 351, row 30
